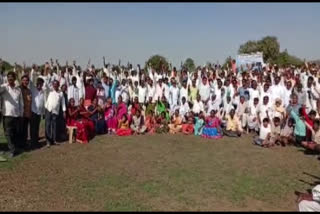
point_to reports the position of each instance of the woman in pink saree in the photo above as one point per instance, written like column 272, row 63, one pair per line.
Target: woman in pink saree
column 109, row 117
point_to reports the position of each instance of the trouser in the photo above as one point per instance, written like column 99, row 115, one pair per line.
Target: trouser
column 34, row 128
column 24, row 128
column 51, row 127
column 11, row 131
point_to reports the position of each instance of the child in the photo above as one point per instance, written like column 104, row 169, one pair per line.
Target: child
column 123, row 127
column 137, row 124
column 286, row 133
column 176, row 121
column 315, row 130
column 199, row 122
column 150, row 122
column 264, row 135
column 162, row 124
column 188, row 128
column 233, row 128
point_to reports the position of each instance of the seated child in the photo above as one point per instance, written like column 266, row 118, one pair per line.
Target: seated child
column 162, row 124
column 199, row 123
column 300, row 126
column 176, row 123
column 264, row 134
column 123, row 127
column 315, row 130
column 137, row 124
column 286, row 133
column 188, row 128
column 150, row 122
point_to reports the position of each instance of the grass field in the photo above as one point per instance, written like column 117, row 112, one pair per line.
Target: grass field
column 157, row 173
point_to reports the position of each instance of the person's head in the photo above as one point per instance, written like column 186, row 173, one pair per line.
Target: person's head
column 265, row 87
column 124, row 118
column 312, row 114
column 212, row 113
column 91, row 82
column 276, row 121
column 201, row 115
column 81, row 101
column 71, row 102
column 265, row 100
column 231, row 113
column 265, row 122
column 294, row 99
column 74, row 80
column 290, row 122
column 219, row 82
column 310, row 80
column 198, row 97
column 142, row 83
column 316, row 125
column 277, row 80
column 176, row 112
column 123, row 82
column 64, row 88
column 278, row 102
column 183, row 100
column 24, row 81
column 289, row 85
column 204, row 80
column 55, row 85
column 213, row 97
column 150, row 99
column 299, row 87
column 11, row 78
column 256, row 101
column 136, row 100
column 95, row 101
column 138, row 113
column 242, row 99
column 120, row 99
column 39, row 83
column 109, row 101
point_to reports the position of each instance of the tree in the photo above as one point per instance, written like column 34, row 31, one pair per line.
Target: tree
column 189, row 64
column 227, row 62
column 157, row 62
column 286, row 59
column 268, row 45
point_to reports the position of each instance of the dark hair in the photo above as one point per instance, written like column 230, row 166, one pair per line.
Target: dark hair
column 11, row 73
column 276, row 119
column 316, row 122
column 266, row 120
column 312, row 112
column 24, row 76
column 40, row 80
column 74, row 78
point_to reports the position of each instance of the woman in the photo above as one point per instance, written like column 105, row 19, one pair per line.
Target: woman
column 162, row 124
column 188, row 128
column 109, row 117
column 97, row 116
column 150, row 122
column 121, row 109
column 176, row 123
column 123, row 126
column 212, row 128
column 162, row 107
column 78, row 116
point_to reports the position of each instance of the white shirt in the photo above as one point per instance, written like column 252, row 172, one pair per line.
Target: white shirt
column 38, row 101
column 174, row 95
column 12, row 101
column 264, row 131
column 184, row 93
column 142, row 94
column 204, row 91
column 166, row 92
column 74, row 92
column 151, row 91
column 197, row 106
column 213, row 105
column 184, row 109
column 159, row 92
column 54, row 101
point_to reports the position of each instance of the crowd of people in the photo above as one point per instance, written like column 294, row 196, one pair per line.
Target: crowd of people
column 280, row 105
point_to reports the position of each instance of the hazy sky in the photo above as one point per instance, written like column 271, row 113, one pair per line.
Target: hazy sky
column 34, row 32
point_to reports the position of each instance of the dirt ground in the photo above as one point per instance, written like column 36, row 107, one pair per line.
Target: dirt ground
column 157, row 173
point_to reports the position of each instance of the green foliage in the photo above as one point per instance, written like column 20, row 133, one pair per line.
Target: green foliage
column 189, row 64
column 157, row 62
column 270, row 48
column 6, row 66
column 227, row 62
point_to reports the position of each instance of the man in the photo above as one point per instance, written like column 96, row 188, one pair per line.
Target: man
column 204, row 90
column 37, row 107
column 174, row 96
column 12, row 109
column 233, row 128
column 214, row 104
column 184, row 107
column 26, row 96
column 142, row 93
column 90, row 91
column 276, row 90
column 105, row 85
column 183, row 91
column 54, row 101
column 198, row 105
column 309, row 202
column 74, row 92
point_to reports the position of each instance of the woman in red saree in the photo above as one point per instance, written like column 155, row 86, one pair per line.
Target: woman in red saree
column 110, row 117
column 79, row 117
column 124, row 129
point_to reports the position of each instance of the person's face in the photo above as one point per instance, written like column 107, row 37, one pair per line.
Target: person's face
column 212, row 113
column 193, row 83
column 266, row 87
column 25, row 82
column 95, row 101
column 119, row 99
column 294, row 99
column 310, row 81
column 204, row 81
column 289, row 84
column 277, row 80
column 110, row 81
column 255, row 102
column 150, row 99
column 219, row 83
column 242, row 99
column 265, row 100
column 39, row 85
column 278, row 103
column 276, row 123
column 138, row 113
column 265, row 124
column 91, row 82
column 142, row 83
column 64, row 88
column 198, row 98
column 254, row 85
column 176, row 113
column 55, row 85
column 74, row 82
column 232, row 113
column 213, row 97
column 72, row 103
column 136, row 100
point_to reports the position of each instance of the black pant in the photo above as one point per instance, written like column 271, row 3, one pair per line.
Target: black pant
column 24, row 128
column 51, row 127
column 11, row 131
column 34, row 128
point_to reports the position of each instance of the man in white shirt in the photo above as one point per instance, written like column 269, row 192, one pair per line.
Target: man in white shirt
column 53, row 103
column 37, row 108
column 204, row 90
column 12, row 110
column 74, row 92
column 151, row 89
column 142, row 93
column 213, row 104
column 184, row 107
column 174, row 96
column 159, row 91
column 198, row 105
column 184, row 91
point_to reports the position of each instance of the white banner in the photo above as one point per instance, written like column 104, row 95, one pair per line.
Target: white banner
column 244, row 59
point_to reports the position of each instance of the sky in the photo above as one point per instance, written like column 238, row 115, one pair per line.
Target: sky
column 132, row 32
